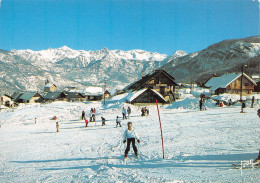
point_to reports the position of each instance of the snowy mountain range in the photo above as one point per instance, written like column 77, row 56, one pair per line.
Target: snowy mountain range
column 28, row 70
column 224, row 57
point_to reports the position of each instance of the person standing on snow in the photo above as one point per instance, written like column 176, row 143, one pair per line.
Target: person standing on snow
column 124, row 113
column 130, row 135
column 128, row 111
column 94, row 115
column 147, row 111
column 200, row 104
column 83, row 115
column 258, row 113
column 253, row 101
column 57, row 126
column 103, row 121
column 204, row 104
column 86, row 121
column 243, row 106
column 118, row 122
column 90, row 116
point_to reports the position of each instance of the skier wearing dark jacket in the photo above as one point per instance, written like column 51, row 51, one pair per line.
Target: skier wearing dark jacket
column 83, row 115
column 130, row 135
column 103, row 121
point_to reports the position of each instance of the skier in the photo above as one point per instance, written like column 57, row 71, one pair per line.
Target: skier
column 118, row 122
column 243, row 106
column 253, row 101
column 83, row 115
column 86, row 121
column 124, row 113
column 203, row 104
column 35, row 119
column 128, row 111
column 143, row 112
column 258, row 113
column 147, row 111
column 200, row 104
column 130, row 135
column 57, row 126
column 93, row 117
column 103, row 121
column 229, row 102
column 90, row 116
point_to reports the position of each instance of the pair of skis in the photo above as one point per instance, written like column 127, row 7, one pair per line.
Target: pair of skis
column 249, row 164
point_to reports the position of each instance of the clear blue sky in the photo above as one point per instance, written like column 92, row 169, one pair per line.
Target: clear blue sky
column 162, row 26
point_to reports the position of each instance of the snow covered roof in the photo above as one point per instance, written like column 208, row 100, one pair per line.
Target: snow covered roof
column 49, row 85
column 52, row 95
column 28, row 95
column 136, row 94
column 72, row 95
column 93, row 90
column 141, row 83
column 224, row 80
column 16, row 96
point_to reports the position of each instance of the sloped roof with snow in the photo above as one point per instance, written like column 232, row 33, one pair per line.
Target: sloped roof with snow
column 93, row 90
column 224, row 80
column 49, row 85
column 141, row 83
column 136, row 94
column 52, row 95
column 28, row 95
column 72, row 95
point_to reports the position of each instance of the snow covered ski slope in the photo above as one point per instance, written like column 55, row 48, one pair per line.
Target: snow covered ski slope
column 200, row 146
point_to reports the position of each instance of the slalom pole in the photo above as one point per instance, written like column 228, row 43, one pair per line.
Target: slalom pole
column 160, row 127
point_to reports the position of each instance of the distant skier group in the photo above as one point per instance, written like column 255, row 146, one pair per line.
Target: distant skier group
column 124, row 112
column 144, row 111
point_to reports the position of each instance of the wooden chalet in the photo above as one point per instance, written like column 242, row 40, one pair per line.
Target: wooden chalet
column 29, row 97
column 55, row 96
column 49, row 87
column 6, row 100
column 93, row 97
column 230, row 83
column 93, row 93
column 75, row 96
column 159, row 81
column 146, row 96
column 256, row 79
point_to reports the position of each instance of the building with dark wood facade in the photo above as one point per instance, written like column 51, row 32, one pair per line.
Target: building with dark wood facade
column 159, row 81
column 231, row 83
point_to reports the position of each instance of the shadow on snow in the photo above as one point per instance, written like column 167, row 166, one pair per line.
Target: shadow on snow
column 206, row 161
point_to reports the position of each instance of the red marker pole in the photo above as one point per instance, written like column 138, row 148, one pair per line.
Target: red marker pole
column 160, row 127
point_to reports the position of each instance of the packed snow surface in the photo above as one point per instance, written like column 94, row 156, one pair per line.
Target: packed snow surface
column 200, row 146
